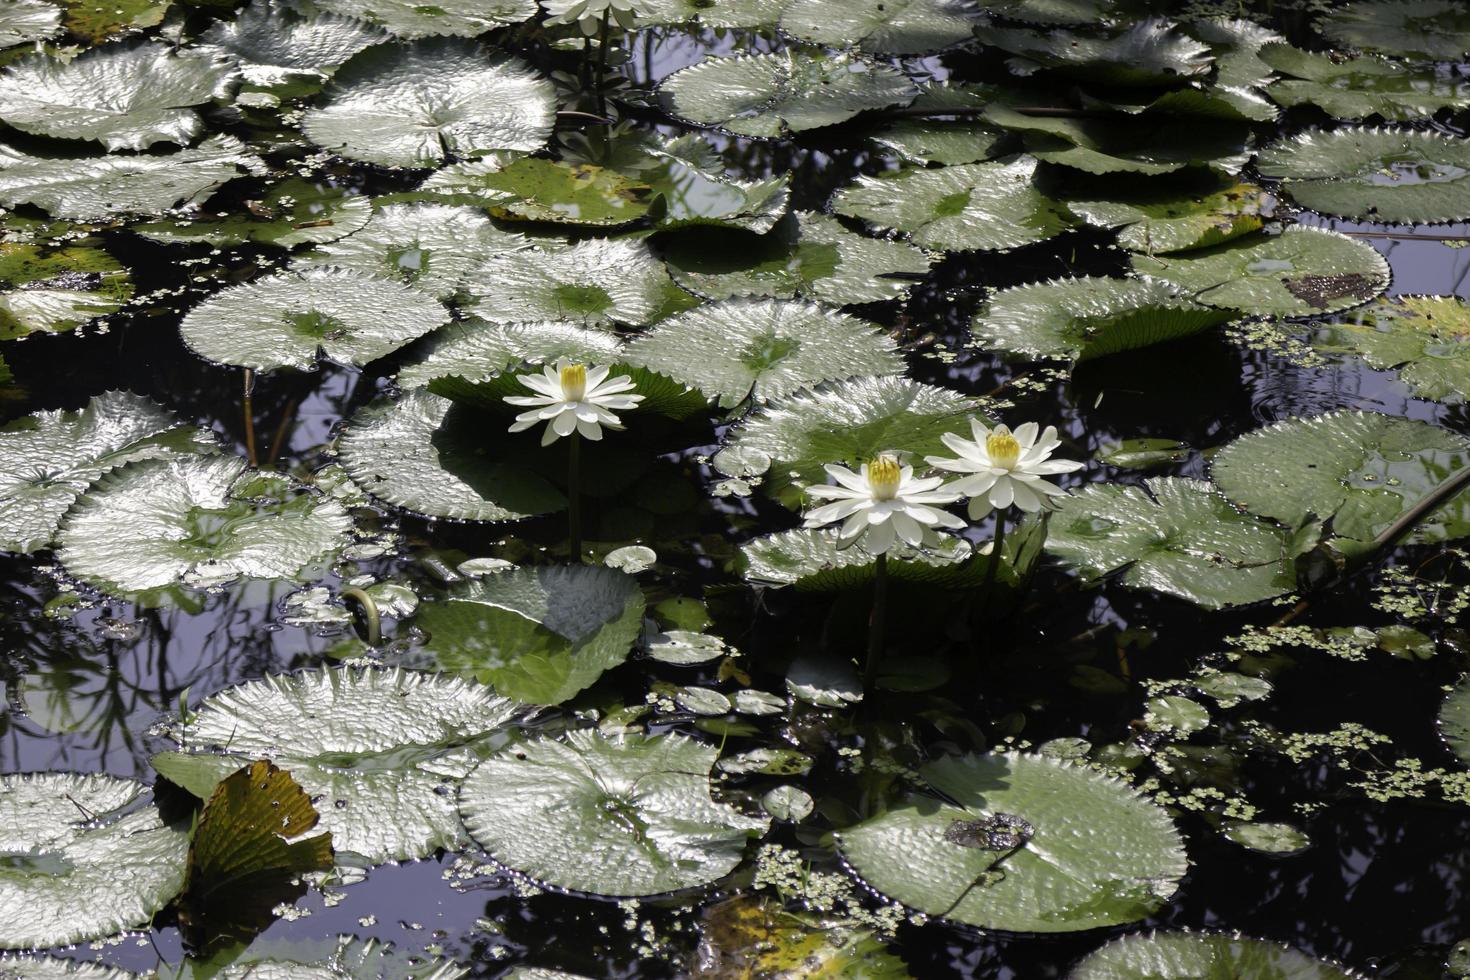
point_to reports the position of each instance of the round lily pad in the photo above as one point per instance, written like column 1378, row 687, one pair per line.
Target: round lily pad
column 271, row 43
column 1268, row 838
column 1148, row 52
column 197, row 520
column 552, row 191
column 291, row 318
column 1355, row 88
column 1426, row 339
column 787, row 92
column 629, row 816
column 1434, row 30
column 426, row 455
column 1190, row 955
column 385, row 791
column 1454, row 720
column 411, row 19
column 811, row 560
column 961, row 138
column 592, row 282
column 1081, row 319
column 413, row 105
column 1013, row 844
column 763, row 349
column 974, row 206
column 476, row 350
column 48, row 290
column 539, row 635
column 84, row 858
column 1378, row 174
column 881, row 26
column 1167, row 220
column 1300, row 272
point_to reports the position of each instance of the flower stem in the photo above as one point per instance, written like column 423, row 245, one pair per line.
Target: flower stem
column 602, row 62
column 877, row 622
column 247, row 408
column 574, row 496
column 996, row 548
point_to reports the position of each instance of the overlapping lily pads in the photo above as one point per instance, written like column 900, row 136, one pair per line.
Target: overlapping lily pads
column 1179, row 537
column 54, row 289
column 413, row 105
column 693, row 190
column 1379, row 174
column 289, row 319
column 1355, row 88
column 410, row 20
column 961, row 138
column 1300, row 272
column 629, row 816
column 881, row 26
column 592, row 282
column 1012, row 844
column 1159, row 220
column 786, row 92
column 1426, row 339
column 1186, row 955
column 539, row 635
column 199, row 521
column 811, row 561
column 1433, row 30
column 1148, row 53
column 85, row 858
column 477, row 350
column 1089, row 317
column 974, row 206
column 28, row 20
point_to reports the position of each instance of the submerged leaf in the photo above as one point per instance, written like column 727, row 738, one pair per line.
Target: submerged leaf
column 1425, row 338
column 54, row 289
column 96, row 20
column 747, row 938
column 959, row 139
column 592, row 282
column 1012, row 844
column 881, row 26
column 1190, row 955
column 629, row 816
column 1149, row 145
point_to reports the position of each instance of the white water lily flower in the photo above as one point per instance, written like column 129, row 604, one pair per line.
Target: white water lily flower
column 881, row 504
column 573, row 398
column 1002, row 467
column 588, row 14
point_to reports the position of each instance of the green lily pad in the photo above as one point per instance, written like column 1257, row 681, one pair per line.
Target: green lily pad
column 23, row 21
column 900, row 27
column 749, row 937
column 1142, row 454
column 202, row 521
column 413, row 105
column 410, row 19
column 807, row 254
column 721, row 14
column 1300, row 272
column 811, row 561
column 1190, row 955
column 426, row 455
column 293, row 212
column 272, row 44
column 1180, row 537
column 539, row 635
column 1172, row 713
column 1158, row 221
column 50, row 290
column 292, row 318
column 96, row 20
column 1355, row 88
column 1454, row 720
column 433, row 247
column 592, row 282
column 1073, row 12
column 974, row 206
column 1377, row 174
column 1012, row 845
column 49, row 459
column 846, row 422
column 693, row 190
column 1237, row 43
column 1426, row 339
column 935, row 139
column 329, row 958
column 1147, row 53
column 629, row 816
column 763, row 349
column 83, row 858
column 1149, row 145
column 1434, row 30
column 385, row 791
column 476, row 351
column 1268, row 838
column 1361, row 470
column 101, row 188
column 786, row 92
column 126, row 97
column 533, row 189
column 23, row 967
column 1090, row 317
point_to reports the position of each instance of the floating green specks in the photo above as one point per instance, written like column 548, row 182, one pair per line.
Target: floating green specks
column 1355, row 88
column 426, row 455
column 628, row 816
column 293, row 212
column 1300, row 272
column 411, row 19
column 199, row 521
column 763, row 349
column 1180, row 537
column 807, row 254
column 1148, row 53
column 28, row 20
column 1191, row 955
column 1080, row 319
column 289, row 319
column 552, row 191
column 1426, row 339
column 782, row 93
column 413, row 105
column 1156, row 221
column 812, row 561
column 597, row 281
column 1021, row 843
column 974, row 206
column 49, row 290
column 84, row 859
column 1379, row 174
column 385, row 791
column 475, row 350
column 272, row 44
column 101, row 188
column 539, row 635
column 1362, row 470
column 48, row 459
column 881, row 26
column 126, row 97
column 1433, row 30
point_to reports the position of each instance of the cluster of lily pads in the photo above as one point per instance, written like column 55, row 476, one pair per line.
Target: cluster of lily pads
column 490, row 207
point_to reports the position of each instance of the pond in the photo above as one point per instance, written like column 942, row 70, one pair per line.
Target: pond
column 734, row 488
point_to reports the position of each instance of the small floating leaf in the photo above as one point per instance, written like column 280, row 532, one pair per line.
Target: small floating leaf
column 1056, row 878
column 1190, row 955
column 904, row 27
column 1426, row 339
column 1142, row 454
column 591, row 282
column 1268, row 838
column 628, row 816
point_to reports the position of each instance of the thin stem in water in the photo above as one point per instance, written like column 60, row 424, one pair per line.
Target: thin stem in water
column 248, row 406
column 996, row 547
column 602, row 62
column 574, row 496
column 877, row 622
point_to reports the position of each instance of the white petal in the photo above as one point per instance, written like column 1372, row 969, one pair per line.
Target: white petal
column 908, row 529
column 590, row 431
column 1026, row 434
column 848, row 478
column 1026, row 497
column 565, row 423
column 1002, row 494
column 549, row 435
column 879, row 538
column 979, row 507
column 530, row 400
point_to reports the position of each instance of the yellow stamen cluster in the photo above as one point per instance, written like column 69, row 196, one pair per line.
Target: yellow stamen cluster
column 883, row 476
column 573, row 381
column 1002, row 447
